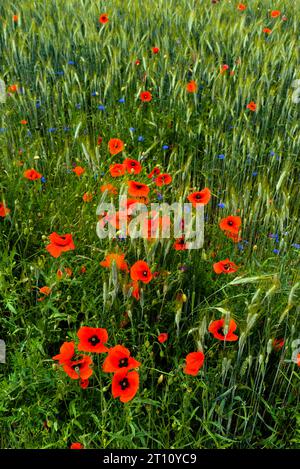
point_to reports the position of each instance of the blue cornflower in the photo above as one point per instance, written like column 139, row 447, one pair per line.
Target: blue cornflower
column 159, row 196
column 276, row 251
column 94, row 93
column 122, row 100
column 140, row 138
column 254, row 173
column 37, row 104
column 272, row 153
column 59, row 72
column 165, row 147
column 52, row 129
column 43, row 179
column 132, row 129
column 101, row 107
column 240, row 246
column 66, row 129
column 296, row 245
column 221, row 157
column 221, row 205
column 78, row 106
column 71, row 62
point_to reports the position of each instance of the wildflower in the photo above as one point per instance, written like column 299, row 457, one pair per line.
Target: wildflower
column 163, row 337
column 221, row 205
column 180, row 244
column 140, row 138
column 275, row 13
column 155, row 50
column 32, row 174
column 23, row 122
column 76, row 446
column 125, row 385
column 122, row 100
column 137, row 62
column 87, row 197
column 154, row 172
column 132, row 166
column 200, row 197
column 78, row 170
column 117, row 170
column 267, row 30
column 101, row 107
column 163, row 179
column 59, row 244
column 194, row 361
column 45, row 291
column 119, row 358
column 109, row 188
column 217, row 329
column 191, row 87
column 84, row 383
column 66, row 353
column 230, row 224
column 12, row 88
column 99, row 140
column 115, row 146
column 79, row 369
column 15, row 18
column 140, row 271
column 92, row 339
column 251, row 106
column 119, row 260
column 145, row 96
column 224, row 68
column 137, row 189
column 225, row 267
column 3, row 210
column 241, row 7
column 278, row 344
column 103, row 18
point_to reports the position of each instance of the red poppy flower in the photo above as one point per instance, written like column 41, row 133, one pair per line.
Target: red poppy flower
column 155, row 172
column 275, row 13
column 66, row 353
column 125, row 385
column 76, row 446
column 103, row 18
column 84, row 383
column 87, row 197
column 267, row 30
column 23, row 122
column 145, row 96
column 137, row 62
column 67, row 271
column 217, row 329
column 225, row 267
column 45, row 291
column 109, row 188
column 163, row 180
column 79, row 170
column 132, row 166
column 118, row 259
column 135, row 289
column 278, row 344
column 140, row 271
column 163, row 337
column 92, row 339
column 117, row 170
column 251, row 106
column 155, row 50
column 82, row 269
column 191, row 87
column 59, row 244
column 194, row 361
column 298, row 359
column 99, row 140
column 115, row 146
column 180, row 244
column 137, row 189
column 200, row 197
column 233, row 236
column 12, row 88
column 32, row 174
column 119, row 358
column 241, row 7
column 3, row 210
column 231, row 224
column 79, row 369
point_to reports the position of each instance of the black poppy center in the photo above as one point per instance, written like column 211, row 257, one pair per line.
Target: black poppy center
column 94, row 340
column 226, row 266
column 220, row 331
column 123, row 363
column 198, row 196
column 138, row 186
column 77, row 367
column 145, row 273
column 230, row 223
column 124, row 384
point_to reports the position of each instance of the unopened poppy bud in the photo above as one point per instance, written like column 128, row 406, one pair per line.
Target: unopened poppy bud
column 160, row 379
